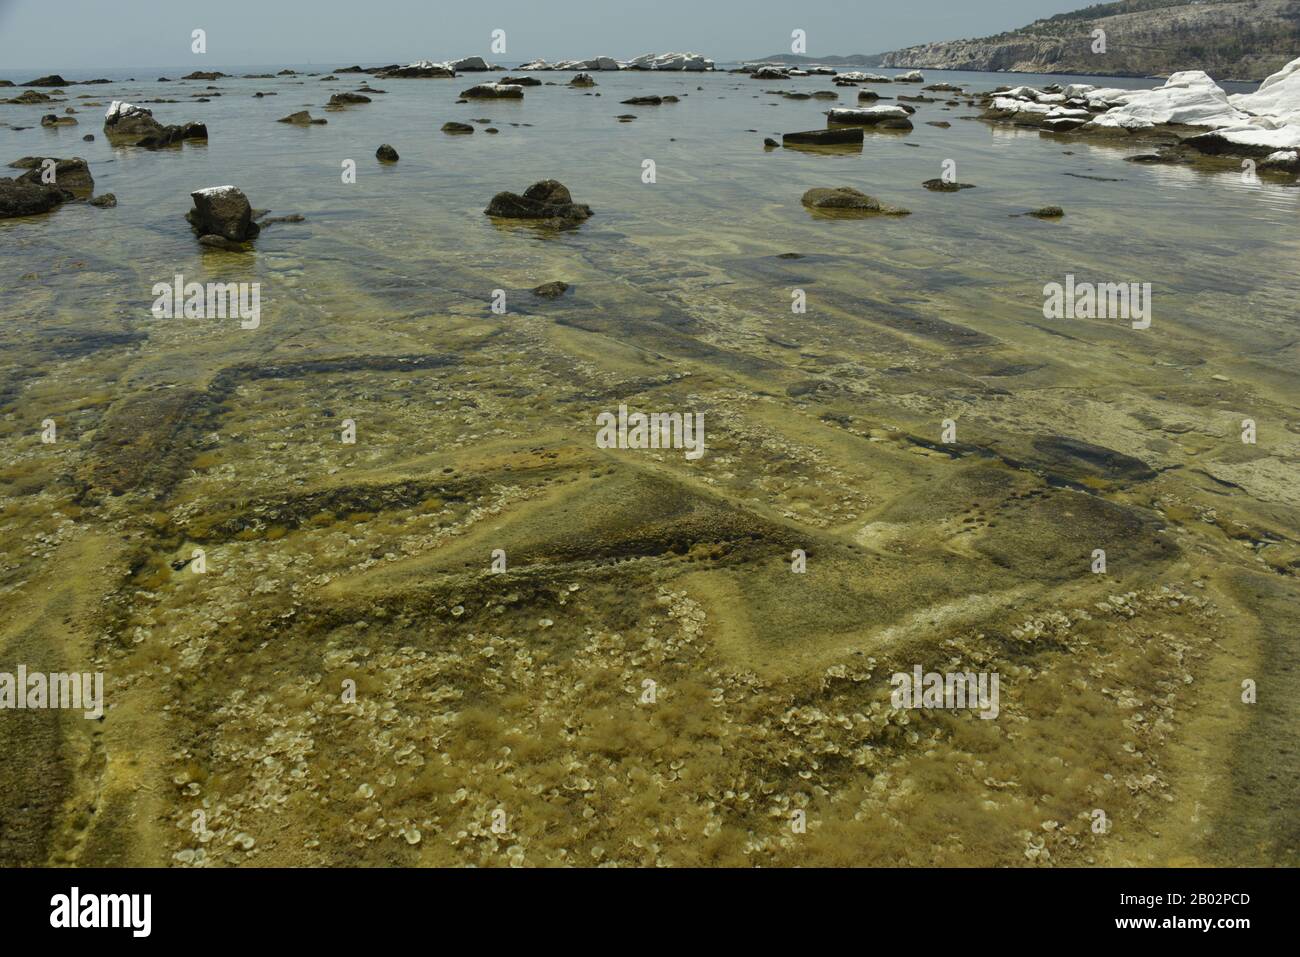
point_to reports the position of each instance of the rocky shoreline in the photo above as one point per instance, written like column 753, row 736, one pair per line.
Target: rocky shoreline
column 1187, row 120
column 1189, row 114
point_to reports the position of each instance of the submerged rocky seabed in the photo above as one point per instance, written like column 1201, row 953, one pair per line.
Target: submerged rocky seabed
column 349, row 680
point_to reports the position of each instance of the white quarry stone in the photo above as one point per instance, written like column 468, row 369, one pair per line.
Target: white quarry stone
column 867, row 114
column 119, row 110
column 1188, row 98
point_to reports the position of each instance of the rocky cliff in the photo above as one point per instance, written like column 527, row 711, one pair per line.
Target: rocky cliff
column 1229, row 39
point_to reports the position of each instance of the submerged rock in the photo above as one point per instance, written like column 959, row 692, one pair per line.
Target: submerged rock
column 1046, row 212
column 583, row 79
column 943, row 186
column 454, row 127
column 547, row 200
column 106, row 201
column 551, row 290
column 845, row 199
column 223, row 212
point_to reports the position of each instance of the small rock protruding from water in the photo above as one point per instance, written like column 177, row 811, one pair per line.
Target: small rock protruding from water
column 834, row 136
column 222, row 217
column 943, row 186
column 845, row 199
column 348, row 99
column 547, row 200
column 301, row 118
column 386, row 154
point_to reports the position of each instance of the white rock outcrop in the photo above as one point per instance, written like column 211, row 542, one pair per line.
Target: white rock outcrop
column 596, row 63
column 119, row 110
column 867, row 114
column 1264, row 123
column 1278, row 97
column 694, row 62
column 1189, row 98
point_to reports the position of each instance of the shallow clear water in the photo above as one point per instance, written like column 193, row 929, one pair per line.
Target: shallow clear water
column 369, row 561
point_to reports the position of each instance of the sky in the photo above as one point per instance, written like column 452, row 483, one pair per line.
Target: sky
column 75, row 35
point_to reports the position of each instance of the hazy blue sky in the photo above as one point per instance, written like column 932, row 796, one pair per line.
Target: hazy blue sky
column 72, row 34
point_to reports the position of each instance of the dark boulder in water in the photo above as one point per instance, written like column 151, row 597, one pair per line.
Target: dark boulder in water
column 840, row 136
column 547, row 200
column 348, row 99
column 72, row 176
column 457, row 128
column 20, row 198
column 224, row 212
column 301, row 118
column 135, row 125
column 386, row 153
column 30, row 96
